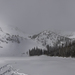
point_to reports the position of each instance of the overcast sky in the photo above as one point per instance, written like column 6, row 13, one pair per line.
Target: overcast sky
column 33, row 16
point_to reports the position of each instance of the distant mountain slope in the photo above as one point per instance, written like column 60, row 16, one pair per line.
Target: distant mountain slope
column 50, row 38
column 69, row 34
column 14, row 42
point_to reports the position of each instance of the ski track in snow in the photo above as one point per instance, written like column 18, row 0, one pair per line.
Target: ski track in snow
column 9, row 69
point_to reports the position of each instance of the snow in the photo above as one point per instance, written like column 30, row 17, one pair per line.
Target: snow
column 69, row 34
column 73, row 36
column 15, row 49
column 13, row 30
column 50, row 38
column 41, row 65
column 9, row 48
column 9, row 37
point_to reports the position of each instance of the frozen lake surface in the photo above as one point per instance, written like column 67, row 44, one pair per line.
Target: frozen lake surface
column 39, row 65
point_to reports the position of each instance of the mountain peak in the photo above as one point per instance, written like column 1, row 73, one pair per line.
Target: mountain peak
column 15, row 43
column 49, row 38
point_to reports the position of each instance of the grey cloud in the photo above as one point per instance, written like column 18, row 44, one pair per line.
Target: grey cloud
column 33, row 16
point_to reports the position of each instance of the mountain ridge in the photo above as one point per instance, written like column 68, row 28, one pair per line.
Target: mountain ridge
column 15, row 43
column 48, row 36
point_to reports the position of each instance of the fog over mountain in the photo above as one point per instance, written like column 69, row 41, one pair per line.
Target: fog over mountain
column 33, row 16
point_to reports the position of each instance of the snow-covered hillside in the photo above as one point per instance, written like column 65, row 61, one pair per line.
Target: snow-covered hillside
column 13, row 42
column 69, row 34
column 13, row 30
column 9, row 70
column 50, row 38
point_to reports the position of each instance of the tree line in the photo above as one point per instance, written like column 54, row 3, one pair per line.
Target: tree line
column 67, row 50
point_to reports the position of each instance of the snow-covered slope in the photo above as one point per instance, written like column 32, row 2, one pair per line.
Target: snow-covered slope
column 9, row 70
column 13, row 30
column 69, row 34
column 13, row 42
column 49, row 38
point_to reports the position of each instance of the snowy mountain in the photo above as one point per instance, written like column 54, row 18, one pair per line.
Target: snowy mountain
column 69, row 34
column 13, row 42
column 50, row 38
